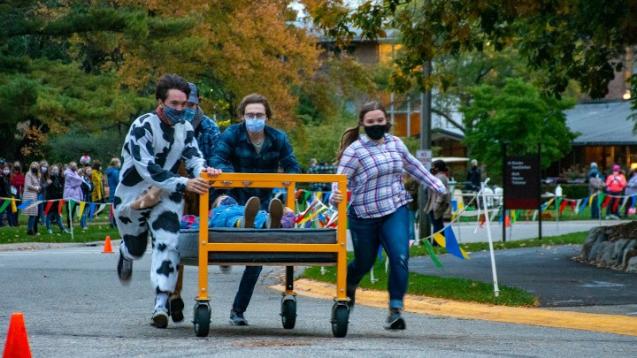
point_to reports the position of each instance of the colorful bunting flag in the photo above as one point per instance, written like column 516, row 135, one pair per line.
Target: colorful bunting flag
column 432, row 254
column 4, row 205
column 47, row 207
column 452, row 244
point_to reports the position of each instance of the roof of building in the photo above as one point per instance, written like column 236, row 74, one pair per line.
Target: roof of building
column 602, row 123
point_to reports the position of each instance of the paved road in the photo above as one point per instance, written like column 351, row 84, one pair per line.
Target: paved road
column 549, row 273
column 75, row 307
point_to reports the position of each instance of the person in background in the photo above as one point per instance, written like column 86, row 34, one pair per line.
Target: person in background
column 97, row 182
column 5, row 190
column 87, row 191
column 474, row 176
column 595, row 186
column 55, row 191
column 112, row 177
column 31, row 190
column 17, row 189
column 615, row 184
column 437, row 203
column 85, row 159
column 72, row 189
column 44, row 183
column 594, row 171
column 631, row 192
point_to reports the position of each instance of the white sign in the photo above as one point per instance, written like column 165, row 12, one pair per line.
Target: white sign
column 425, row 157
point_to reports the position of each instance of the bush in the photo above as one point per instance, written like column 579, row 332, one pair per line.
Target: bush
column 70, row 146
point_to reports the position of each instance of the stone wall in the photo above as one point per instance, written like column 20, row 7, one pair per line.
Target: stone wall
column 613, row 247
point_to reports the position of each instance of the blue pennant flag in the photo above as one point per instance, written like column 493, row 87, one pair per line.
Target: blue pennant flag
column 25, row 204
column 452, row 244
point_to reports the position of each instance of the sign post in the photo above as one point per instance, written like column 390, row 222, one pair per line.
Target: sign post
column 521, row 184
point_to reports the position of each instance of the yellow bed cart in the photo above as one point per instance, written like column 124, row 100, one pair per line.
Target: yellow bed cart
column 283, row 247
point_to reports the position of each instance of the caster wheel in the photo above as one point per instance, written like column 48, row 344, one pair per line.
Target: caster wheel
column 201, row 319
column 340, row 319
column 288, row 312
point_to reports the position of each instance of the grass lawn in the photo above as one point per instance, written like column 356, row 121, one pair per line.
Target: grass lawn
column 457, row 288
column 443, row 287
column 97, row 231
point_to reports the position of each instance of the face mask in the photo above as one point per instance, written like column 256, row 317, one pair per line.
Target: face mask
column 255, row 125
column 189, row 114
column 175, row 116
column 55, row 172
column 6, row 171
column 44, row 169
column 375, row 132
column 34, row 170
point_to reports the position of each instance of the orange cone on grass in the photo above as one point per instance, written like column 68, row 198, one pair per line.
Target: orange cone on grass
column 17, row 344
column 108, row 248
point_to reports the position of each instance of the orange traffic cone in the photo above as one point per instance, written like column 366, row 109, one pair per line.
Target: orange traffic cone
column 108, row 249
column 17, row 345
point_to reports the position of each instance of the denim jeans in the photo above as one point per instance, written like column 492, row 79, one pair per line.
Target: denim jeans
column 391, row 231
column 246, row 288
column 32, row 225
column 54, row 216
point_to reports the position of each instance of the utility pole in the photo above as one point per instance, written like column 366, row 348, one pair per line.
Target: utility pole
column 424, row 223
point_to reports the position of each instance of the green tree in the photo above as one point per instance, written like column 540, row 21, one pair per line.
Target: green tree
column 519, row 115
column 568, row 39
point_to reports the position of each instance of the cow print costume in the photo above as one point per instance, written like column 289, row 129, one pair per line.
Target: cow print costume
column 151, row 155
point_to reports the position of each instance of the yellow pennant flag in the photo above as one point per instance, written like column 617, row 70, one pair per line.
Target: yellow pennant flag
column 81, row 211
column 440, row 240
column 14, row 208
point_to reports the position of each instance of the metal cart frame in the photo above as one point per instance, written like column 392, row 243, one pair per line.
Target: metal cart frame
column 340, row 309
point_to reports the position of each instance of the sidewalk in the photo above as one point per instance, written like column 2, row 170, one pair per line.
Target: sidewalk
column 521, row 230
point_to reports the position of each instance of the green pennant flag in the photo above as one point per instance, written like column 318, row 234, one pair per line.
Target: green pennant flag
column 4, row 206
column 430, row 252
column 600, row 198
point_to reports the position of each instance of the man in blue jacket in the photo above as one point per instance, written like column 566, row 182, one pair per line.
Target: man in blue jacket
column 252, row 147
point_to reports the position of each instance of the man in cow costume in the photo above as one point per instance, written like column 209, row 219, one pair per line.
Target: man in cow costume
column 149, row 199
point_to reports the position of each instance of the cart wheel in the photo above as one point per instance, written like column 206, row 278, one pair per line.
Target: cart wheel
column 201, row 319
column 288, row 312
column 340, row 319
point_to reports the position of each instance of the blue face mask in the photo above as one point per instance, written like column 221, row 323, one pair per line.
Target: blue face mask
column 175, row 116
column 255, row 125
column 189, row 114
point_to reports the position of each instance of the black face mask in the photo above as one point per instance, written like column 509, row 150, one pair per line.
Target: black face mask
column 34, row 170
column 375, row 132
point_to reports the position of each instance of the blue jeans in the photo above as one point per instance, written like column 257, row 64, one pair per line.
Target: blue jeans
column 54, row 216
column 391, row 231
column 246, row 288
column 32, row 225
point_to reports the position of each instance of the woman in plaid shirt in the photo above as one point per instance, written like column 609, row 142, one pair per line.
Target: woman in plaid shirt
column 374, row 164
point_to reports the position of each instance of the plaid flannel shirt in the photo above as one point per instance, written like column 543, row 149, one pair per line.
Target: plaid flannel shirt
column 235, row 153
column 375, row 174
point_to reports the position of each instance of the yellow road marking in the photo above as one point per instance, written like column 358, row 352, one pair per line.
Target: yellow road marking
column 442, row 307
